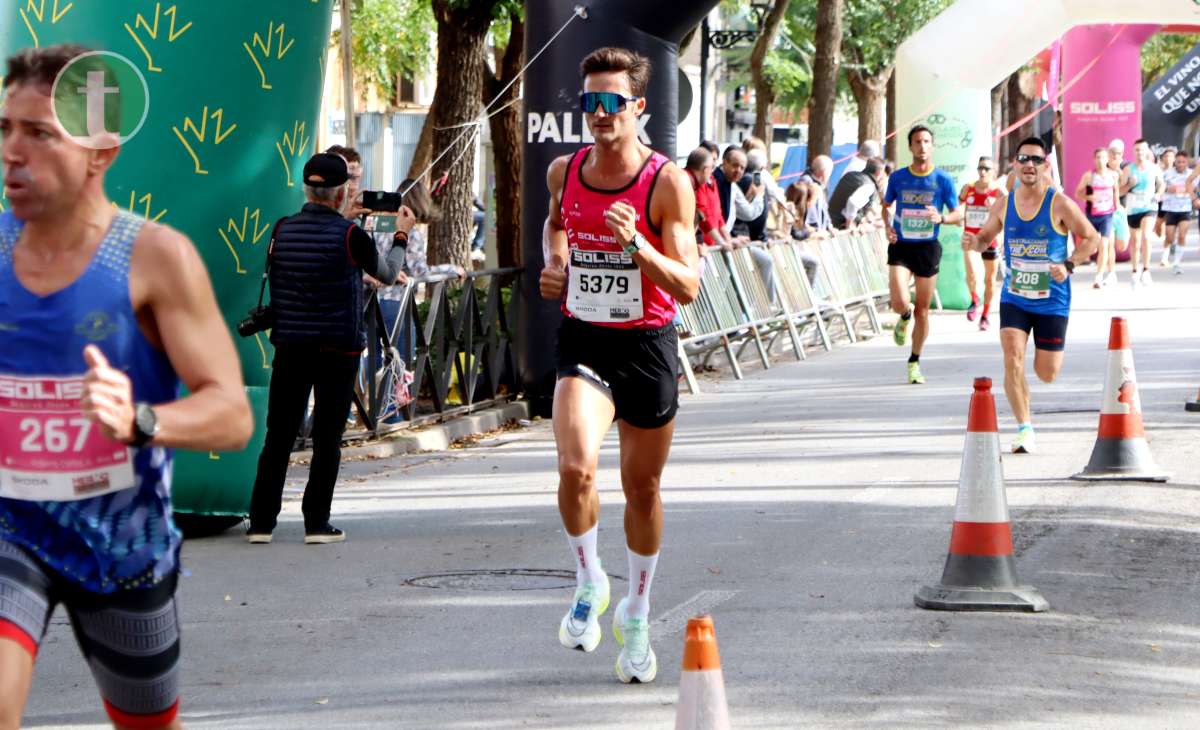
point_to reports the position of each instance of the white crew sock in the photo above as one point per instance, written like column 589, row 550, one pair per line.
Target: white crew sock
column 587, row 563
column 641, row 574
column 1178, row 255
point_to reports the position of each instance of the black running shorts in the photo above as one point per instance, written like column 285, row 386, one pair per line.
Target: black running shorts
column 1135, row 219
column 922, row 259
column 130, row 639
column 1174, row 219
column 1049, row 331
column 638, row 368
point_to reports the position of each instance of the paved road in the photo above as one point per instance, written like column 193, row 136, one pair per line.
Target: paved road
column 804, row 506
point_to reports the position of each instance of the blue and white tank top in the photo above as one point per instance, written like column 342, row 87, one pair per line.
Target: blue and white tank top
column 1030, row 246
column 115, row 531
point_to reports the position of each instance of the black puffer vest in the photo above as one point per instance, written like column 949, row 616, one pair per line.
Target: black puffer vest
column 316, row 288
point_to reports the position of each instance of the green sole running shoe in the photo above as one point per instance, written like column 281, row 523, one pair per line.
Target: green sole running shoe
column 914, row 374
column 900, row 333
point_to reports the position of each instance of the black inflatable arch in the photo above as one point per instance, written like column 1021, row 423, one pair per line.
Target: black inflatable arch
column 554, row 126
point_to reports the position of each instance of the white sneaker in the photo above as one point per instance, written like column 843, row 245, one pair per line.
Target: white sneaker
column 1111, row 279
column 1146, row 280
column 637, row 662
column 1136, row 282
column 580, row 628
column 1178, row 269
column 1025, row 442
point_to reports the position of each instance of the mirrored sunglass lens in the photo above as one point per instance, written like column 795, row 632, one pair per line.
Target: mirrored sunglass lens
column 610, row 102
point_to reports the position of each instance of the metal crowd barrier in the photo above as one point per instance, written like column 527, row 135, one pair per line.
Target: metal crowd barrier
column 455, row 339
column 735, row 308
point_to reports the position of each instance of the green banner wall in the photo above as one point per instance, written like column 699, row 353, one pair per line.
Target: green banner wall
column 235, row 90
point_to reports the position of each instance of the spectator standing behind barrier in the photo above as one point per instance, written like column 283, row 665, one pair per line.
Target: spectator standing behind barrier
column 867, row 151
column 711, row 225
column 855, row 195
column 317, row 259
column 736, row 203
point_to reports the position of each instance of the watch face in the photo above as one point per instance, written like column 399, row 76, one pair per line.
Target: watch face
column 146, row 420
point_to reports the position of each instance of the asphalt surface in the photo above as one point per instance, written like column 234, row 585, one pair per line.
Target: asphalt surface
column 804, row 506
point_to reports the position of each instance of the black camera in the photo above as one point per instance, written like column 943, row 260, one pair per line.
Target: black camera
column 257, row 320
column 382, row 202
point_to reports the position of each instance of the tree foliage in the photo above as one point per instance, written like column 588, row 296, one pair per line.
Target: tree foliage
column 1163, row 51
column 875, row 30
column 389, row 38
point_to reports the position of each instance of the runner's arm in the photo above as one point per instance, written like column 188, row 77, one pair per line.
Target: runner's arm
column 554, row 234
column 1087, row 240
column 674, row 205
column 1081, row 188
column 216, row 414
column 957, row 212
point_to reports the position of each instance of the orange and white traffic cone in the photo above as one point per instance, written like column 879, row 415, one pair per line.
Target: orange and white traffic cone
column 980, row 572
column 1121, row 451
column 701, row 685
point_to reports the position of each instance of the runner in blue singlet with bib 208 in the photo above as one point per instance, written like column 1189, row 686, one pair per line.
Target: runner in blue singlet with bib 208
column 1036, row 298
column 103, row 314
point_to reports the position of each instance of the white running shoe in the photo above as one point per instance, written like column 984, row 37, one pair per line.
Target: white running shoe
column 1136, row 282
column 637, row 662
column 1146, row 280
column 1178, row 269
column 1111, row 279
column 580, row 628
column 1025, row 442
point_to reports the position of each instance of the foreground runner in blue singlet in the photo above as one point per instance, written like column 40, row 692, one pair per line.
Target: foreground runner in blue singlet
column 1035, row 219
column 103, row 314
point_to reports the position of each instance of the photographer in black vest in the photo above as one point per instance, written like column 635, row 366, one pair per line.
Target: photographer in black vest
column 316, row 266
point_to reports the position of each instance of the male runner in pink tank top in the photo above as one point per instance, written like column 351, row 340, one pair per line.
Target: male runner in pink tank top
column 620, row 251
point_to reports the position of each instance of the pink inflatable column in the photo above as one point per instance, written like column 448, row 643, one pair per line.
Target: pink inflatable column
column 1106, row 104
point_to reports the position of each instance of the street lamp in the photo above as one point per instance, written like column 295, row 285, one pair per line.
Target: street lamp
column 725, row 39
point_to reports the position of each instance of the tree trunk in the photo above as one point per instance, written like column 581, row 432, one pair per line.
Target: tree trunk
column 870, row 94
column 347, row 74
column 1019, row 107
column 507, row 148
column 764, row 94
column 826, row 64
column 462, row 48
column 890, row 144
column 997, row 119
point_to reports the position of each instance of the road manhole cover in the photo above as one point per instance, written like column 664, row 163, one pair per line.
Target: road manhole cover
column 500, row 579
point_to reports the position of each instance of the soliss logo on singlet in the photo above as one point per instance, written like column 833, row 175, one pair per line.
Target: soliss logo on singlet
column 96, row 326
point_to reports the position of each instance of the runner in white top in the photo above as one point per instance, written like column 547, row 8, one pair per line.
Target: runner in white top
column 1177, row 210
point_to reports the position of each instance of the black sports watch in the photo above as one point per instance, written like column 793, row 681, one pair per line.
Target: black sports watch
column 145, row 424
column 1069, row 265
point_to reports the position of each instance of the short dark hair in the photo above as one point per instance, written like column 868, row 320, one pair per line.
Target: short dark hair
column 917, row 130
column 1034, row 142
column 1181, row 153
column 874, row 166
column 698, row 159
column 41, row 66
column 612, row 59
column 712, row 148
column 349, row 154
column 1141, row 140
column 731, row 149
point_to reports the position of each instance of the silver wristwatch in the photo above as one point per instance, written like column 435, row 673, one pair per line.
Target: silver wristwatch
column 637, row 243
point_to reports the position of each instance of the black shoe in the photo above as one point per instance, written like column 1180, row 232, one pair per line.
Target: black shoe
column 325, row 534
